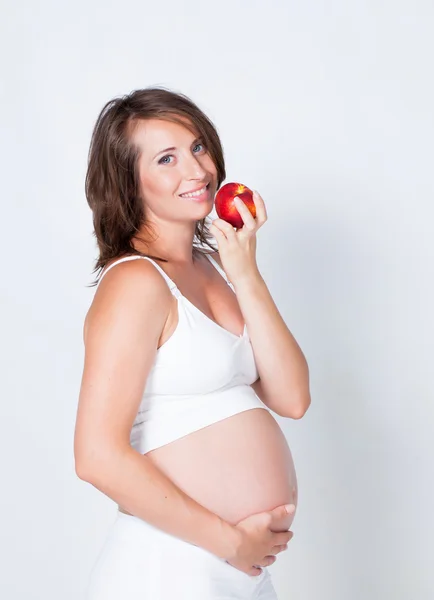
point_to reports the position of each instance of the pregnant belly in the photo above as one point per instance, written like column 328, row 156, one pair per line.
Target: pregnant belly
column 235, row 467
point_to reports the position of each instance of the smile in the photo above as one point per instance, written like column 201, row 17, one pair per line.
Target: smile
column 195, row 194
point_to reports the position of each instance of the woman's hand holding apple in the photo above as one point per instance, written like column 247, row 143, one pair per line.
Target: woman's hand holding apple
column 238, row 207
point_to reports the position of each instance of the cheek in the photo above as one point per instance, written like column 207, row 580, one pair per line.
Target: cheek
column 159, row 185
column 159, row 194
column 210, row 166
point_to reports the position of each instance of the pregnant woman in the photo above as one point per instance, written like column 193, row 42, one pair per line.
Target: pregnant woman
column 186, row 358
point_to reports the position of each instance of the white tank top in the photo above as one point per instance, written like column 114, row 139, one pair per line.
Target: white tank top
column 201, row 374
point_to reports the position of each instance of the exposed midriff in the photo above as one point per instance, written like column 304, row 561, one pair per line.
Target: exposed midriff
column 235, row 467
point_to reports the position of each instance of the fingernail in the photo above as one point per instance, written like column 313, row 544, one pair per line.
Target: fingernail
column 290, row 508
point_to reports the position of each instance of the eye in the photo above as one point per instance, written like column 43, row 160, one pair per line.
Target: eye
column 163, row 162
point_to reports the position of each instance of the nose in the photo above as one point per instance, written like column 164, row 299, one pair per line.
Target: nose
column 194, row 170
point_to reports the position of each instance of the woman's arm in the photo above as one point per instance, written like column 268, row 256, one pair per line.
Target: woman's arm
column 123, row 327
column 283, row 383
column 134, row 482
column 282, row 367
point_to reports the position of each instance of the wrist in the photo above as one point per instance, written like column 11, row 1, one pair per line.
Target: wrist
column 227, row 540
column 249, row 282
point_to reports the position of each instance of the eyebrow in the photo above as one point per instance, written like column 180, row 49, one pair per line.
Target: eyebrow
column 173, row 148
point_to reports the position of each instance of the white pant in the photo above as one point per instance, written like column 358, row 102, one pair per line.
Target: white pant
column 140, row 562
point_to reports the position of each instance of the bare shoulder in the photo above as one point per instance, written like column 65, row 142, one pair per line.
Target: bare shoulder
column 134, row 285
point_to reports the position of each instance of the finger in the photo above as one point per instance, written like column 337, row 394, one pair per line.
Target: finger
column 267, row 561
column 279, row 548
column 283, row 537
column 248, row 219
column 280, row 512
column 217, row 232
column 261, row 211
column 223, row 225
column 227, row 229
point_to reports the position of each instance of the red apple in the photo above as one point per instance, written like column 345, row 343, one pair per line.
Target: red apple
column 224, row 203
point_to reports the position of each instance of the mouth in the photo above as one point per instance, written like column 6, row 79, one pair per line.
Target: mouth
column 199, row 195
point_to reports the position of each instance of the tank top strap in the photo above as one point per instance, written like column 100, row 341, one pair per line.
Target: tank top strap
column 219, row 269
column 170, row 283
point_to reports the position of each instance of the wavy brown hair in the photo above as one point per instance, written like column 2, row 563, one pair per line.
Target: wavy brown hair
column 112, row 184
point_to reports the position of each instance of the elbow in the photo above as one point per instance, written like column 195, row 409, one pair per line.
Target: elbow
column 83, row 453
column 302, row 399
column 301, row 407
column 94, row 454
column 95, row 464
column 81, row 471
column 79, row 460
column 90, row 463
column 83, row 468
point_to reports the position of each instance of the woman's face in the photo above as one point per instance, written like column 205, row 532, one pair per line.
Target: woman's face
column 165, row 174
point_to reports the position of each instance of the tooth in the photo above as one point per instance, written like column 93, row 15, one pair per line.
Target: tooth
column 198, row 193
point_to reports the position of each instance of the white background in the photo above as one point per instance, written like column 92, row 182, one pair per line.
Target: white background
column 327, row 109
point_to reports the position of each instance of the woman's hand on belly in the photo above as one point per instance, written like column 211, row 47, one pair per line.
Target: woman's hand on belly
column 261, row 538
column 282, row 516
